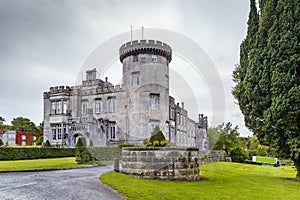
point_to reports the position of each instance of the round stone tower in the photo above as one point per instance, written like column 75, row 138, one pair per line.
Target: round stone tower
column 146, row 79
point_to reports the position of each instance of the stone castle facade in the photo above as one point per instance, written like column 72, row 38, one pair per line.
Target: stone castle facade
column 106, row 114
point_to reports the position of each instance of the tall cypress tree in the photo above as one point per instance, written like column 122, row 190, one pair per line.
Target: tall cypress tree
column 268, row 90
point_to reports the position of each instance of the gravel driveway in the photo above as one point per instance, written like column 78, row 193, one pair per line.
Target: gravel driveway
column 77, row 184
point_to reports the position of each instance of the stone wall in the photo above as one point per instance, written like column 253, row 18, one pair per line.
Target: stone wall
column 161, row 163
column 210, row 156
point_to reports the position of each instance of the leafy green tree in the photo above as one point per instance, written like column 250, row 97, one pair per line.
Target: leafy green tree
column 239, row 155
column 1, row 142
column 157, row 135
column 257, row 149
column 213, row 134
column 40, row 140
column 267, row 79
column 82, row 154
column 40, row 128
column 24, row 125
column 229, row 138
column 2, row 125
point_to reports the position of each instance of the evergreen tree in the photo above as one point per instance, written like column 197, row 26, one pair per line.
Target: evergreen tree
column 267, row 80
column 157, row 135
column 47, row 144
column 82, row 154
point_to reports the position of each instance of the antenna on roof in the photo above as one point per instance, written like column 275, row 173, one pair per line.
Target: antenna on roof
column 142, row 32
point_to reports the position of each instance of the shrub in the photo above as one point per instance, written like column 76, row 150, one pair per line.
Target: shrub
column 157, row 143
column 1, row 142
column 40, row 141
column 47, row 144
column 125, row 145
column 239, row 155
column 157, row 135
column 82, row 154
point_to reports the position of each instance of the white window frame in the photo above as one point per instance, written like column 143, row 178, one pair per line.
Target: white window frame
column 59, row 107
column 112, row 131
column 154, row 101
column 135, row 79
column 98, row 105
column 154, row 58
column 53, row 132
column 65, row 107
column 111, row 104
column 84, row 107
column 53, row 107
column 23, row 137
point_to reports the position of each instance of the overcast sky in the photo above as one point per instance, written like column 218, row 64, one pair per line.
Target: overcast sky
column 45, row 42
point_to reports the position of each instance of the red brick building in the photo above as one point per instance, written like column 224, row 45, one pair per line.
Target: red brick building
column 27, row 138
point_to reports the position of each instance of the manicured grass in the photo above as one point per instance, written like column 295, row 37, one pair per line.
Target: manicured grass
column 38, row 164
column 224, row 181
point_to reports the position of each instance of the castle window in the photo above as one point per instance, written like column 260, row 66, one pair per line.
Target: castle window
column 135, row 58
column 34, row 137
column 135, row 78
column 53, row 107
column 59, row 107
column 98, row 105
column 65, row 131
column 23, row 137
column 56, row 131
column 84, row 108
column 53, row 131
column 65, row 107
column 154, row 101
column 111, row 104
column 59, row 132
column 154, row 58
column 172, row 135
column 178, row 118
column 23, row 143
column 172, row 114
column 112, row 131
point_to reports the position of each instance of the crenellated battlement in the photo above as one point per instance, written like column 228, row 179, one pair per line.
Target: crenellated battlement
column 58, row 90
column 103, row 90
column 145, row 47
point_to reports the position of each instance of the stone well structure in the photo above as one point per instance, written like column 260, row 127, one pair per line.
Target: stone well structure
column 162, row 163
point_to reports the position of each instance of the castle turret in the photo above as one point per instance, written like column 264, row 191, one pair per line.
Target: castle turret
column 146, row 79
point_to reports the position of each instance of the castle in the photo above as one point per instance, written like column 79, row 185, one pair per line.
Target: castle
column 106, row 114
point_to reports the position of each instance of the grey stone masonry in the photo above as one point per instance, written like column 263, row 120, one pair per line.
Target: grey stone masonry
column 168, row 163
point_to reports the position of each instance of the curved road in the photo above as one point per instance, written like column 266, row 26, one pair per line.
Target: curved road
column 79, row 184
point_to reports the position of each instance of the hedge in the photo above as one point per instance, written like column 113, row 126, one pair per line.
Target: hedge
column 35, row 153
column 105, row 153
column 21, row 153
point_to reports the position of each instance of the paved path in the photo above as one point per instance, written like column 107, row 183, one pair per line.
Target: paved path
column 77, row 184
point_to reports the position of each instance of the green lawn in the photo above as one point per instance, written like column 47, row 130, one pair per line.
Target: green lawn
column 38, row 164
column 224, row 181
